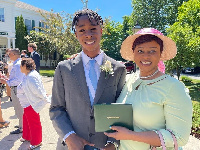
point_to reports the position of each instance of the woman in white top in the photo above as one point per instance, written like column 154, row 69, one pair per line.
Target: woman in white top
column 32, row 96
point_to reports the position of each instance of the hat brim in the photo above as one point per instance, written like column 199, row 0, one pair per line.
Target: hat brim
column 169, row 47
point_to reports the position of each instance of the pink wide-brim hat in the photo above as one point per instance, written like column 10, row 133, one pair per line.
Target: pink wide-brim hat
column 169, row 46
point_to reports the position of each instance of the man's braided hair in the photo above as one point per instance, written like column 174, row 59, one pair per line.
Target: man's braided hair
column 91, row 16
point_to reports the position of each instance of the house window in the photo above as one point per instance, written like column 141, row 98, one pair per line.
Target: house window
column 28, row 25
column 33, row 24
column 2, row 19
column 41, row 24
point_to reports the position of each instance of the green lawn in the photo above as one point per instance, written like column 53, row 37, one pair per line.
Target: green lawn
column 194, row 86
column 47, row 72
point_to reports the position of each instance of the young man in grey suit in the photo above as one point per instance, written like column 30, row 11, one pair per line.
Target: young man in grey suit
column 75, row 91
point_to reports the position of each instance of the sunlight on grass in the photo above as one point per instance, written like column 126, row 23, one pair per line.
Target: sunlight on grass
column 194, row 86
column 48, row 73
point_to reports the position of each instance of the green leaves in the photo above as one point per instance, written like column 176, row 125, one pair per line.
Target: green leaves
column 112, row 39
column 158, row 14
column 186, row 33
column 21, row 32
column 55, row 35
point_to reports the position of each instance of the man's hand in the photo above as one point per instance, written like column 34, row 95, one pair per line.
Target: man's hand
column 74, row 142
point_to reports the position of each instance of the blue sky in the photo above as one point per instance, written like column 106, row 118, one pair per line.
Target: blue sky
column 116, row 9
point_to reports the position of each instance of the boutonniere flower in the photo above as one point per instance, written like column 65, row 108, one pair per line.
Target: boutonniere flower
column 107, row 67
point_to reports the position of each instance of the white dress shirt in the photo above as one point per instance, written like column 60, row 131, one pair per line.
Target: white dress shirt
column 86, row 66
column 34, row 90
column 21, row 95
column 32, row 53
column 16, row 76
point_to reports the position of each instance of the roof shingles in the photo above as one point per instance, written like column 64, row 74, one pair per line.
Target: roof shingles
column 23, row 5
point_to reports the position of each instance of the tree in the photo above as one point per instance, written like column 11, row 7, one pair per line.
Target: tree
column 127, row 27
column 57, row 32
column 112, row 39
column 44, row 46
column 158, row 14
column 114, row 34
column 21, row 32
column 186, row 33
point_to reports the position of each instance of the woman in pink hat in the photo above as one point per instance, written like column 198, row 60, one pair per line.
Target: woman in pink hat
column 162, row 110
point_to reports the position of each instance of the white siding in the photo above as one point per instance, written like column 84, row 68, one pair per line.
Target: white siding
column 12, row 9
column 30, row 15
column 8, row 25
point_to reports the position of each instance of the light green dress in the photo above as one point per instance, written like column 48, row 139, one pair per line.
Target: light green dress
column 158, row 104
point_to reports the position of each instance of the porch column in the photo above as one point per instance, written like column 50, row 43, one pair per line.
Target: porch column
column 8, row 42
column 13, row 41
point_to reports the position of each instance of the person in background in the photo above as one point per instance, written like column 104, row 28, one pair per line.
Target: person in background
column 24, row 54
column 15, row 78
column 79, row 83
column 32, row 96
column 8, row 67
column 32, row 47
column 4, row 123
column 162, row 109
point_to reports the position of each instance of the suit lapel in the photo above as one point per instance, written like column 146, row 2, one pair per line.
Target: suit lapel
column 79, row 73
column 102, row 82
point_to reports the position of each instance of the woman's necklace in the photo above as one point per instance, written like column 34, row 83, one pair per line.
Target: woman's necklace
column 149, row 75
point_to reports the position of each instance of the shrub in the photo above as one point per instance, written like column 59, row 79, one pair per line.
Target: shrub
column 66, row 56
column 186, row 79
column 196, row 120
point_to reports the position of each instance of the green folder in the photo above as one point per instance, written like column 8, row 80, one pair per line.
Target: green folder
column 117, row 114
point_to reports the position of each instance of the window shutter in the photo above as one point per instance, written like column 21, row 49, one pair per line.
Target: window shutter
column 39, row 26
column 33, row 24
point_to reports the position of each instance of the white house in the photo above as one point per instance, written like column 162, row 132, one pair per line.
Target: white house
column 9, row 11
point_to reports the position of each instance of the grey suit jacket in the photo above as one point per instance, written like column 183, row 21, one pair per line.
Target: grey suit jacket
column 70, row 107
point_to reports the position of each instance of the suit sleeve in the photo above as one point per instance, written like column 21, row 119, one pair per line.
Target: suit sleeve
column 121, row 82
column 58, row 112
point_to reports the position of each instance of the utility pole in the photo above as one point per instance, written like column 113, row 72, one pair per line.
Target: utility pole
column 85, row 3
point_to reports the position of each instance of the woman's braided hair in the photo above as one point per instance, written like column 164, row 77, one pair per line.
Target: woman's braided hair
column 91, row 16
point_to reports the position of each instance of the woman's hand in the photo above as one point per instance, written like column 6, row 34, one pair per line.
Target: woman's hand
column 149, row 137
column 121, row 133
